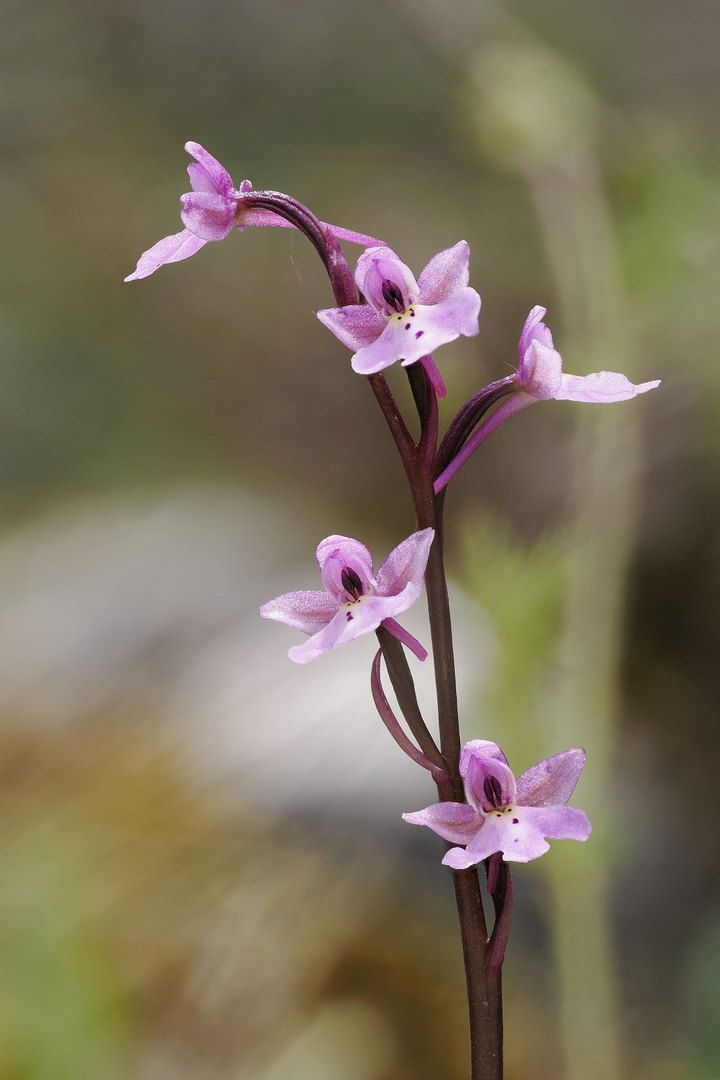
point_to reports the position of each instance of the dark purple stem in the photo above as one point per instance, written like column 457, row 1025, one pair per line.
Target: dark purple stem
column 502, row 895
column 483, row 982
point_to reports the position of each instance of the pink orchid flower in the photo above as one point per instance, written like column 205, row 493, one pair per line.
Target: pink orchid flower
column 504, row 815
column 405, row 319
column 356, row 601
column 540, row 372
column 539, row 377
column 211, row 211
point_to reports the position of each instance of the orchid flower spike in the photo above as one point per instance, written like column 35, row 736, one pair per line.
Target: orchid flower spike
column 356, row 600
column 211, row 211
column 405, row 319
column 540, row 373
column 505, row 815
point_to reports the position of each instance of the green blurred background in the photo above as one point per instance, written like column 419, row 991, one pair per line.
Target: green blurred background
column 203, row 872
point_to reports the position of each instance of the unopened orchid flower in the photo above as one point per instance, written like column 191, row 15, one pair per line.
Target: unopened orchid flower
column 211, row 211
column 506, row 815
column 540, row 376
column 356, row 601
column 405, row 319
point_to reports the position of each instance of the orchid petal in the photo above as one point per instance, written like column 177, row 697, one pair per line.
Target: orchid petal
column 601, row 387
column 200, row 179
column 483, row 769
column 405, row 564
column 308, row 611
column 560, row 822
column 350, row 622
column 552, row 781
column 458, row 858
column 218, row 174
column 511, row 831
column 207, row 215
column 356, row 325
column 446, row 272
column 540, row 371
column 456, row 822
column 536, row 316
column 374, row 268
column 480, row 748
column 336, row 554
column 419, row 331
column 170, row 249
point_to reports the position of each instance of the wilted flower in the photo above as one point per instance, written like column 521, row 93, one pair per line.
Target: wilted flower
column 505, row 815
column 355, row 601
column 210, row 211
column 405, row 319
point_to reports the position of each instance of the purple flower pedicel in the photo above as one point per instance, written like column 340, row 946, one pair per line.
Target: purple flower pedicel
column 504, row 815
column 355, row 601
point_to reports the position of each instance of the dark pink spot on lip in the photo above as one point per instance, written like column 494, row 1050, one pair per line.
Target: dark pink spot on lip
column 419, row 333
column 515, row 821
column 349, row 616
column 407, row 326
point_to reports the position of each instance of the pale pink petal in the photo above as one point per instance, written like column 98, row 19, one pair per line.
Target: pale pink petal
column 480, row 748
column 601, row 387
column 540, row 372
column 306, row 611
column 445, row 274
column 481, row 770
column 170, row 249
column 511, row 831
column 200, row 179
column 405, row 564
column 338, row 553
column 456, row 822
column 218, row 174
column 376, row 267
column 207, row 215
column 552, row 781
column 559, row 822
column 356, row 326
column 351, row 622
column 419, row 331
column 458, row 858
column 534, row 318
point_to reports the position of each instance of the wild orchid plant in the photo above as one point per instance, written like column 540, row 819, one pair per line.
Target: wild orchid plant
column 385, row 315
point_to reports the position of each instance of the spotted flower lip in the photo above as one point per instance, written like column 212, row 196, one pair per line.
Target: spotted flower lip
column 356, row 601
column 506, row 815
column 211, row 211
column 540, row 373
column 405, row 319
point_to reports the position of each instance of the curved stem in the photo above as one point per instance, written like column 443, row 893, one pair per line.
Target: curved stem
column 519, row 400
column 393, row 725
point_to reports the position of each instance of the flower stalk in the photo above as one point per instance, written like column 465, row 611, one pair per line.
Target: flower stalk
column 385, row 315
